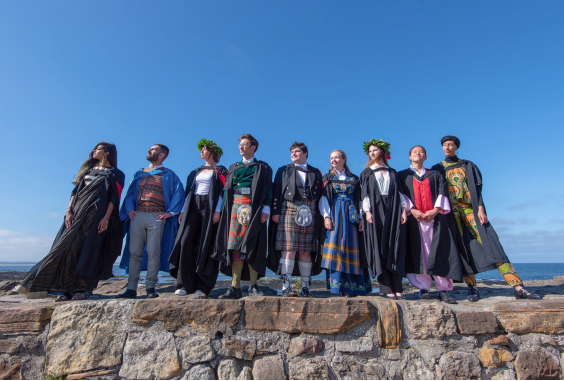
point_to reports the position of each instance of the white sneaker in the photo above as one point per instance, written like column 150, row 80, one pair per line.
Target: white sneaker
column 180, row 292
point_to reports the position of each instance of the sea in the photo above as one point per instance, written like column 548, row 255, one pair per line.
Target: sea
column 527, row 271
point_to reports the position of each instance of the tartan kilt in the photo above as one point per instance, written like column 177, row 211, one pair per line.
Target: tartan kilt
column 290, row 236
column 236, row 230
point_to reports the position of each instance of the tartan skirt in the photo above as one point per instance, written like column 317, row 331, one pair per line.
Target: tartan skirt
column 290, row 236
column 236, row 230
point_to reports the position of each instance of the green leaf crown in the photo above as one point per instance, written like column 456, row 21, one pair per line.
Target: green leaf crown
column 378, row 143
column 210, row 145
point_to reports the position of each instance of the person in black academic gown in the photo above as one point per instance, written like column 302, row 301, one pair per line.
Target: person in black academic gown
column 483, row 249
column 242, row 240
column 384, row 217
column 190, row 260
column 91, row 236
column 295, row 229
column 433, row 243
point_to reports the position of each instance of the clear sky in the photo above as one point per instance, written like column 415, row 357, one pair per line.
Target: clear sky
column 330, row 73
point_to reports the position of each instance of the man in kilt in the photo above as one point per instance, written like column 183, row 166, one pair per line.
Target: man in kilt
column 295, row 226
column 241, row 244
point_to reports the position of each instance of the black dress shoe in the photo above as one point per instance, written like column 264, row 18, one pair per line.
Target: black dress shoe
column 232, row 293
column 424, row 294
column 289, row 293
column 151, row 293
column 473, row 294
column 127, row 294
column 524, row 294
column 400, row 297
column 445, row 297
column 254, row 290
column 305, row 293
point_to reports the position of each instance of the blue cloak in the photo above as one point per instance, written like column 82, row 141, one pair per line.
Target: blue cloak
column 173, row 193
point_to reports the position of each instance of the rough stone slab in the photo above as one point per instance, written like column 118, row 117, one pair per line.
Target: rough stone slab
column 233, row 369
column 269, row 368
column 150, row 355
column 24, row 320
column 414, row 367
column 87, row 336
column 499, row 340
column 111, row 287
column 347, row 368
column 9, row 347
column 490, row 357
column 194, row 350
column 309, row 345
column 10, row 368
column 458, row 365
column 531, row 316
column 204, row 314
column 305, row 314
column 536, row 364
column 389, row 322
column 199, row 372
column 427, row 320
column 308, row 369
column 243, row 349
column 476, row 323
column 346, row 343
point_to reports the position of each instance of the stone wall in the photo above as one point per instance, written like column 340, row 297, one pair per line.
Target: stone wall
column 282, row 338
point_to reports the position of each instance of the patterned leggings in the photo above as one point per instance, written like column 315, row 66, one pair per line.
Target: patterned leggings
column 465, row 214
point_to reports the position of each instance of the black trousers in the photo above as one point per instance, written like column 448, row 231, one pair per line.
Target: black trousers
column 390, row 282
column 190, row 243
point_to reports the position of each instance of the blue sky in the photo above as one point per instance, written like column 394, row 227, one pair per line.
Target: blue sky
column 330, row 73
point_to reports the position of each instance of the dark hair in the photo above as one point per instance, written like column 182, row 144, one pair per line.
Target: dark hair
column 250, row 138
column 215, row 157
column 344, row 157
column 163, row 149
column 382, row 156
column 300, row 146
column 110, row 148
column 418, row 145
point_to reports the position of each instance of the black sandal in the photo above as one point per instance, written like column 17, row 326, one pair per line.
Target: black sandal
column 524, row 294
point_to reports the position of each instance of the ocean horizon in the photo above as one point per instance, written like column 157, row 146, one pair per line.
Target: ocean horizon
column 527, row 271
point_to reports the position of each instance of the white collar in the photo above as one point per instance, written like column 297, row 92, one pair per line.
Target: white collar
column 422, row 172
column 245, row 161
column 374, row 166
column 304, row 166
column 339, row 174
column 155, row 167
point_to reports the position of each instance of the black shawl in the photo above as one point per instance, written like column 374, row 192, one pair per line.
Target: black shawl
column 328, row 179
column 384, row 239
column 284, row 185
column 444, row 259
column 255, row 242
column 100, row 251
column 206, row 268
column 478, row 257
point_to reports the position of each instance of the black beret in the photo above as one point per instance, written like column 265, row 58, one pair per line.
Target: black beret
column 452, row 138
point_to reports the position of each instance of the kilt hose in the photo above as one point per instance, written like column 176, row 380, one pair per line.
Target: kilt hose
column 290, row 236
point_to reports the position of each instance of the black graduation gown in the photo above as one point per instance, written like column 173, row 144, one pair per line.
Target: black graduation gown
column 328, row 178
column 254, row 245
column 478, row 257
column 100, row 251
column 384, row 239
column 283, row 190
column 444, row 259
column 206, row 268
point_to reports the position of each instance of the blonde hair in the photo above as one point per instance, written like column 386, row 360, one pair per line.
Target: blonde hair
column 344, row 157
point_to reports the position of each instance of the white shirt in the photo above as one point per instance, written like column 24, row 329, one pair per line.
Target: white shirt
column 383, row 182
column 203, row 181
column 324, row 207
column 423, row 170
column 302, row 175
column 155, row 167
column 266, row 208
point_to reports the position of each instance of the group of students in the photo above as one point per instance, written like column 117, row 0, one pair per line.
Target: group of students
column 426, row 224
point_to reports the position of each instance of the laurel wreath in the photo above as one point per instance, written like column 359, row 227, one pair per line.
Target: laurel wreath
column 378, row 143
column 210, row 145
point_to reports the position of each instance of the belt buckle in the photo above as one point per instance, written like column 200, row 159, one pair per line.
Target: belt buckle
column 245, row 190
